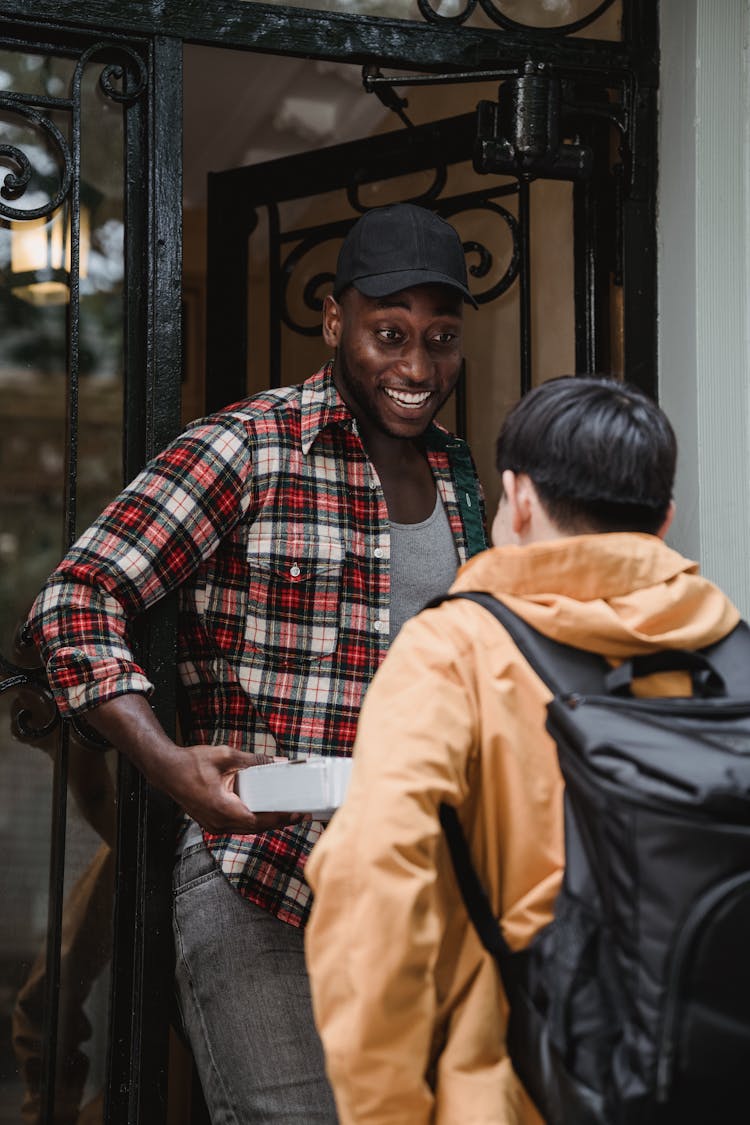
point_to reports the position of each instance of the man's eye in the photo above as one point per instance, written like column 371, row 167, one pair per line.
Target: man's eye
column 445, row 337
column 389, row 333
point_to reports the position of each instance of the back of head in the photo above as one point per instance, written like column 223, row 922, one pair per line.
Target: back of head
column 599, row 452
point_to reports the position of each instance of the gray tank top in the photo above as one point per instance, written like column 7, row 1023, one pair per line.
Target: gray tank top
column 424, row 560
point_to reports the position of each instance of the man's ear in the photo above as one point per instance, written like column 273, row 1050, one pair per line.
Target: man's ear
column 515, row 487
column 667, row 520
column 333, row 317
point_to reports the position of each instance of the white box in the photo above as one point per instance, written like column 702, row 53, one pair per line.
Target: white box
column 315, row 785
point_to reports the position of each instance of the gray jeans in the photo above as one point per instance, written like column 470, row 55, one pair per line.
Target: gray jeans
column 245, row 1003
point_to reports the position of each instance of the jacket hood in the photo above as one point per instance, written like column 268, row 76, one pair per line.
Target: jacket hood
column 616, row 594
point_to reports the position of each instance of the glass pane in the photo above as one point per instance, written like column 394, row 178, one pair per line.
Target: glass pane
column 601, row 19
column 39, row 346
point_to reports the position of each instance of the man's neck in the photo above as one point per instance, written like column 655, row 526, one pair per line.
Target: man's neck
column 405, row 475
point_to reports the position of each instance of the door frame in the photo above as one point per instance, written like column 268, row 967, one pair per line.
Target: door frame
column 397, row 43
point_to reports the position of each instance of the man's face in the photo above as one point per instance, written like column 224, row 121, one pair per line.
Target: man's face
column 397, row 357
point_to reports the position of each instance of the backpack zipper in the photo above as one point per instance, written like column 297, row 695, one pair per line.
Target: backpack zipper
column 667, row 1049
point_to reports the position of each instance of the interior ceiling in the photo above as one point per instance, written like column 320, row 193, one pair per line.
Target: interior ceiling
column 242, row 108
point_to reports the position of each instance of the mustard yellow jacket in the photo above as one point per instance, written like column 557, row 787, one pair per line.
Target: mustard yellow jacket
column 408, row 1004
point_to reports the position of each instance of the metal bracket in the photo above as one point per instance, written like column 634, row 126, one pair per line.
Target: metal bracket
column 519, row 135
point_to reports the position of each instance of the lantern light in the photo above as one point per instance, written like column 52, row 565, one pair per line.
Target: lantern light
column 40, row 258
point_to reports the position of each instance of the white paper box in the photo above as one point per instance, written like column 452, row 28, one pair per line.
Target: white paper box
column 314, row 785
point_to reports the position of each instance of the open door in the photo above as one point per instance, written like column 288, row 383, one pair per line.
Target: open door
column 539, row 183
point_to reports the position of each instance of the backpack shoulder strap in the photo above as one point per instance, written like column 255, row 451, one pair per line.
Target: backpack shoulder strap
column 473, row 893
column 563, row 668
column 731, row 658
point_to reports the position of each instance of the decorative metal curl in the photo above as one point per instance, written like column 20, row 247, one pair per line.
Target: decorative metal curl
column 507, row 22
column 115, row 72
column 22, row 724
column 310, row 295
column 483, row 266
column 33, row 680
column 423, row 199
column 16, row 183
column 428, row 12
column 485, row 257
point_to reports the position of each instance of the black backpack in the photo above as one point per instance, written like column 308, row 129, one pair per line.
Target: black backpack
column 633, row 1004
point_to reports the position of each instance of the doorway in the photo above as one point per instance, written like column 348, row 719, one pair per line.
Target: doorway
column 317, row 150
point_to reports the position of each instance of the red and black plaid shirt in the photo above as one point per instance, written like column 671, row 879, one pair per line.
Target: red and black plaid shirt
column 271, row 520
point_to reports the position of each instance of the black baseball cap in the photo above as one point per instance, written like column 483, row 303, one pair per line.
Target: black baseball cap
column 399, row 246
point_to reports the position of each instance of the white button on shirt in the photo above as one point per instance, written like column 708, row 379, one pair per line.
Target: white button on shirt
column 380, row 626
column 378, row 552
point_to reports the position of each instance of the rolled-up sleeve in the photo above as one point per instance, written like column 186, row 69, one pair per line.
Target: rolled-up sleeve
column 147, row 542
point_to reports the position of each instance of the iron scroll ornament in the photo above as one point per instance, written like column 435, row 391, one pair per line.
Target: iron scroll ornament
column 32, row 680
column 480, row 258
column 129, row 71
column 17, row 181
column 488, row 7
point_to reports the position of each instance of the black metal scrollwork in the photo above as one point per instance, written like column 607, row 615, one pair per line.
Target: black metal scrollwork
column 15, row 185
column 130, row 75
column 35, row 714
column 31, row 680
column 499, row 17
column 428, row 12
column 485, row 257
column 480, row 258
column 311, row 296
column 16, row 182
column 129, row 71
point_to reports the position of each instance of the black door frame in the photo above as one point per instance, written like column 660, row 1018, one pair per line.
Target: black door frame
column 140, row 1008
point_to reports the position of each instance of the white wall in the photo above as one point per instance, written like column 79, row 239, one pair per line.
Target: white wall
column 704, row 374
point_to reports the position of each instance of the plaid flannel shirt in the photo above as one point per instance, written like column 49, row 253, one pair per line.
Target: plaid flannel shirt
column 270, row 519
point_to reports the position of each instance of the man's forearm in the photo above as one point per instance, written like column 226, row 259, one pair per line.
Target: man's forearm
column 129, row 723
column 200, row 779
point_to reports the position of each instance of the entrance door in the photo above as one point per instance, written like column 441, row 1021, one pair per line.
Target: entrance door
column 537, row 175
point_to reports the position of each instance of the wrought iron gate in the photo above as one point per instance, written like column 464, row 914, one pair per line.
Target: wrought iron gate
column 568, row 104
column 130, row 843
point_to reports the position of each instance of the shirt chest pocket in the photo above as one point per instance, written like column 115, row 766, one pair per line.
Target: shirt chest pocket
column 294, row 597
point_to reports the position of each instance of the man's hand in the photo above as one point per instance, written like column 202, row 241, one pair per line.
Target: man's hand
column 200, row 779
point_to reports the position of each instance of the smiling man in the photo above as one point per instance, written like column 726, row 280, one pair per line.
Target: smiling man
column 302, row 527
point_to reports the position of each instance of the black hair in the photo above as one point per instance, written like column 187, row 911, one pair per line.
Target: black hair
column 600, row 453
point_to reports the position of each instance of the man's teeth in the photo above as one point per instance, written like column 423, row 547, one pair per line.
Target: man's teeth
column 408, row 398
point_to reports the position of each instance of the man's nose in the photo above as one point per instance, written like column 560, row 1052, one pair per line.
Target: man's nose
column 416, row 364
